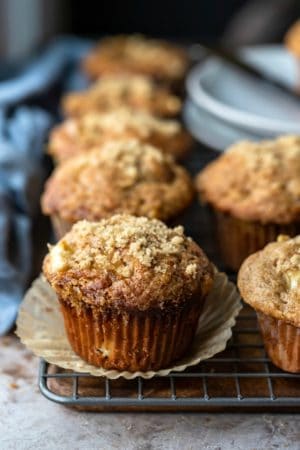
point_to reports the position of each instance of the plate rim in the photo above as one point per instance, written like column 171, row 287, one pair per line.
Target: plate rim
column 229, row 114
column 197, row 133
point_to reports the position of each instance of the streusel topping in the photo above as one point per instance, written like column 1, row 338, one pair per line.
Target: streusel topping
column 122, row 119
column 110, row 92
column 78, row 135
column 269, row 280
column 122, row 86
column 123, row 176
column 146, row 241
column 256, row 180
column 138, row 52
column 126, row 250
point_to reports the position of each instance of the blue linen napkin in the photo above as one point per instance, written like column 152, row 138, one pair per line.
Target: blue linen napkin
column 23, row 132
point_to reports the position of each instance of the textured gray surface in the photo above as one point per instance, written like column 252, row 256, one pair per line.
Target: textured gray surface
column 29, row 421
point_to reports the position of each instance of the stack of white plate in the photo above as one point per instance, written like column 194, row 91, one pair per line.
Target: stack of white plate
column 224, row 105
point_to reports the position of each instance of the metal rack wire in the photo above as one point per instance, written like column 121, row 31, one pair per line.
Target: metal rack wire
column 240, row 377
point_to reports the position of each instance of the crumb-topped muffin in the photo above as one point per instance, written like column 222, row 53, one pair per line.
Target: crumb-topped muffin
column 124, row 176
column 254, row 192
column 112, row 92
column 131, row 291
column 292, row 39
column 80, row 135
column 292, row 43
column 269, row 281
column 136, row 54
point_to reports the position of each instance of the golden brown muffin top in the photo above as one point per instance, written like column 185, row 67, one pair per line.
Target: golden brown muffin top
column 256, row 181
column 124, row 176
column 137, row 54
column 93, row 129
column 269, row 280
column 292, row 39
column 115, row 91
column 127, row 261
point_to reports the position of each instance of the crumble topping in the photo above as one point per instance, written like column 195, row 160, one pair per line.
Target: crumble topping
column 256, row 180
column 142, row 50
column 115, row 91
column 95, row 128
column 120, row 86
column 128, row 262
column 117, row 244
column 119, row 121
column 137, row 50
column 287, row 263
column 268, row 152
column 130, row 161
column 119, row 177
column 191, row 269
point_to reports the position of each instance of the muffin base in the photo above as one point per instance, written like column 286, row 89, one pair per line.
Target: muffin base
column 131, row 340
column 237, row 239
column 282, row 342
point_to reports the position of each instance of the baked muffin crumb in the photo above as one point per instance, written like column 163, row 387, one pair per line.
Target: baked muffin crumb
column 79, row 135
column 122, row 118
column 144, row 240
column 269, row 280
column 131, row 291
column 256, row 181
column 133, row 259
column 123, row 176
column 111, row 92
column 137, row 54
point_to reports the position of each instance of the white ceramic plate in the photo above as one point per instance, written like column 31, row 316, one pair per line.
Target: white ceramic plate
column 212, row 131
column 238, row 100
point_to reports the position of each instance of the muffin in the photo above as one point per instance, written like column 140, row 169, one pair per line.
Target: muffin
column 121, row 177
column 269, row 281
column 253, row 191
column 292, row 42
column 131, row 291
column 112, row 92
column 80, row 135
column 164, row 62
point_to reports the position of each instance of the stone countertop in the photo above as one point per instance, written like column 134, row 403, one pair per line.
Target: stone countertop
column 28, row 420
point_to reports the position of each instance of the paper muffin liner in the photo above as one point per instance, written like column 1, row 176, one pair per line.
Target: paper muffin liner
column 282, row 342
column 132, row 340
column 237, row 239
column 40, row 327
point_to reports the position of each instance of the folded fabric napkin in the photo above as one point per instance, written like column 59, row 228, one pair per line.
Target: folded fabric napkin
column 23, row 132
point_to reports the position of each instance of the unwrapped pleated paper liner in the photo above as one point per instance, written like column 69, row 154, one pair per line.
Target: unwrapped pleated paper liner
column 40, row 327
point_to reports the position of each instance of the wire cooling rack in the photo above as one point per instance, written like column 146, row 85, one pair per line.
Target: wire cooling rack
column 240, row 377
